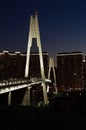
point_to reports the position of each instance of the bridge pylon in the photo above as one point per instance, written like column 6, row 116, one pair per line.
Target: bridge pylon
column 52, row 66
column 34, row 33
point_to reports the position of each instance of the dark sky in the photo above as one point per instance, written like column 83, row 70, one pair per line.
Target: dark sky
column 62, row 24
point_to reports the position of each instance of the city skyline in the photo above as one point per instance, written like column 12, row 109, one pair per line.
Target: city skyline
column 61, row 23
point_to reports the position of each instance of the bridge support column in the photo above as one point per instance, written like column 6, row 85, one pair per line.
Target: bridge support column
column 47, row 88
column 26, row 99
column 9, row 98
column 28, row 96
column 45, row 93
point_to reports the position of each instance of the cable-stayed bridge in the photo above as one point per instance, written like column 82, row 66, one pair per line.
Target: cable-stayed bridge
column 9, row 86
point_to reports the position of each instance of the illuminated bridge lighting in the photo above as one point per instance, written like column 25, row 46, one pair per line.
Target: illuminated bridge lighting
column 15, row 85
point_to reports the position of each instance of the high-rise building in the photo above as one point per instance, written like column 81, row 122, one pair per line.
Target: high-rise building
column 70, row 71
column 84, row 70
column 35, row 65
column 12, row 64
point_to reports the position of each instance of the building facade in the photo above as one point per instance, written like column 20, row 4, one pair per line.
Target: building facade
column 70, row 71
column 35, row 65
column 12, row 64
column 84, row 70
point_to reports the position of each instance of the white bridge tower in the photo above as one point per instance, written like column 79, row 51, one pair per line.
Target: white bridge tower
column 34, row 33
column 52, row 66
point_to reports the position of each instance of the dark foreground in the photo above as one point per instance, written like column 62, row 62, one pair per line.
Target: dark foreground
column 41, row 118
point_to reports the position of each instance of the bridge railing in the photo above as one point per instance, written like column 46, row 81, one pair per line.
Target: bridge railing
column 12, row 81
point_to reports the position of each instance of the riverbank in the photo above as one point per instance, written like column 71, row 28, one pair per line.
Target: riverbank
column 28, row 117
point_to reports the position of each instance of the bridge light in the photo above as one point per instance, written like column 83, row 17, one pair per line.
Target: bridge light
column 4, row 51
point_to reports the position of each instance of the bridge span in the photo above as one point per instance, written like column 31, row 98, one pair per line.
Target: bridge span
column 23, row 86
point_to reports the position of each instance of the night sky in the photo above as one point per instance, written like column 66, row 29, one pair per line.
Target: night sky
column 62, row 24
